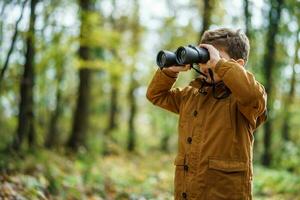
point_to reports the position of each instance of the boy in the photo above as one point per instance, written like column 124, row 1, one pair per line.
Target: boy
column 217, row 118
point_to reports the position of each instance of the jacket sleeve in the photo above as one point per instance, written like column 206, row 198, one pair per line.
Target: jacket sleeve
column 160, row 91
column 250, row 94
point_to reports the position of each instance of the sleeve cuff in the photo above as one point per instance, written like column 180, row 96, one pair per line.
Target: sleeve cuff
column 163, row 79
column 218, row 68
column 223, row 66
column 170, row 73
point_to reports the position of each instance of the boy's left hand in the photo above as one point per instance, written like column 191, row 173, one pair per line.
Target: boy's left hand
column 213, row 54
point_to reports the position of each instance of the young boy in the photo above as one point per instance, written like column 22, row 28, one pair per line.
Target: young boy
column 217, row 119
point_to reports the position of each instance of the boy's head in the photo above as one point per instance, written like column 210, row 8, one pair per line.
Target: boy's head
column 234, row 42
column 230, row 44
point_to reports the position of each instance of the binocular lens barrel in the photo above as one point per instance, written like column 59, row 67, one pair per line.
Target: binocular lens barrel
column 182, row 56
column 190, row 55
column 166, row 59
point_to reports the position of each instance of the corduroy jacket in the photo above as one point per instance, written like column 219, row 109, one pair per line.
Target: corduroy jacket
column 215, row 140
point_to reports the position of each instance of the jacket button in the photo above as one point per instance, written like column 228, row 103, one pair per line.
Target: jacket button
column 184, row 195
column 195, row 113
column 189, row 140
column 186, row 168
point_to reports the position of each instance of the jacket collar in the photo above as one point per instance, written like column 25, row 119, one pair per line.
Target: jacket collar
column 204, row 87
column 199, row 83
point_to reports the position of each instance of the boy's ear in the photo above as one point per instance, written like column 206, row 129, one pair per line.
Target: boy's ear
column 241, row 62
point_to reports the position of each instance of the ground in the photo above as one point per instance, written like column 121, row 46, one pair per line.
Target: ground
column 48, row 175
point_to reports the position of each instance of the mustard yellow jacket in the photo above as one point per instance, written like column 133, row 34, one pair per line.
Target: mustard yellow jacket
column 215, row 140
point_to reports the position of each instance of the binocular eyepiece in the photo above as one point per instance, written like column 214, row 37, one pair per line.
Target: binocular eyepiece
column 182, row 56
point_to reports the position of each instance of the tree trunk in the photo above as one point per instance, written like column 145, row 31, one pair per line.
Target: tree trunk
column 53, row 135
column 80, row 121
column 248, row 17
column 113, row 108
column 206, row 21
column 132, row 113
column 112, row 124
column 206, row 18
column 114, row 93
column 136, row 36
column 290, row 98
column 269, row 64
column 26, row 106
column 113, row 111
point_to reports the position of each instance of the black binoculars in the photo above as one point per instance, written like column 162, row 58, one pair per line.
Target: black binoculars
column 182, row 56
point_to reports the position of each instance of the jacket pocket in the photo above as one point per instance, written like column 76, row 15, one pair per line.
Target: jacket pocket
column 225, row 179
column 179, row 176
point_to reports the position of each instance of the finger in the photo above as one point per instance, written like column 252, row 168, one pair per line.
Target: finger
column 206, row 46
column 178, row 68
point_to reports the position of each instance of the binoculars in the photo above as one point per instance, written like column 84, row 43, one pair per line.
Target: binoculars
column 182, row 56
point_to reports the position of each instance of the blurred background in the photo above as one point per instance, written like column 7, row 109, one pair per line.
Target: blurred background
column 74, row 120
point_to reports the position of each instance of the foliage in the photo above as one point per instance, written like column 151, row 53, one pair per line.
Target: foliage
column 124, row 37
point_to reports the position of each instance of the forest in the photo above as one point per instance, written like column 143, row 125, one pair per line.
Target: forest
column 74, row 119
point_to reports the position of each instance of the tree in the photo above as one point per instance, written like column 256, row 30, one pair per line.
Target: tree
column 26, row 107
column 269, row 66
column 248, row 17
column 13, row 41
column 114, row 90
column 80, row 121
column 52, row 138
column 206, row 18
column 133, row 85
column 288, row 101
column 5, row 3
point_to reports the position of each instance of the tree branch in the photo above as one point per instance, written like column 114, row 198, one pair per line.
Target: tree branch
column 14, row 38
